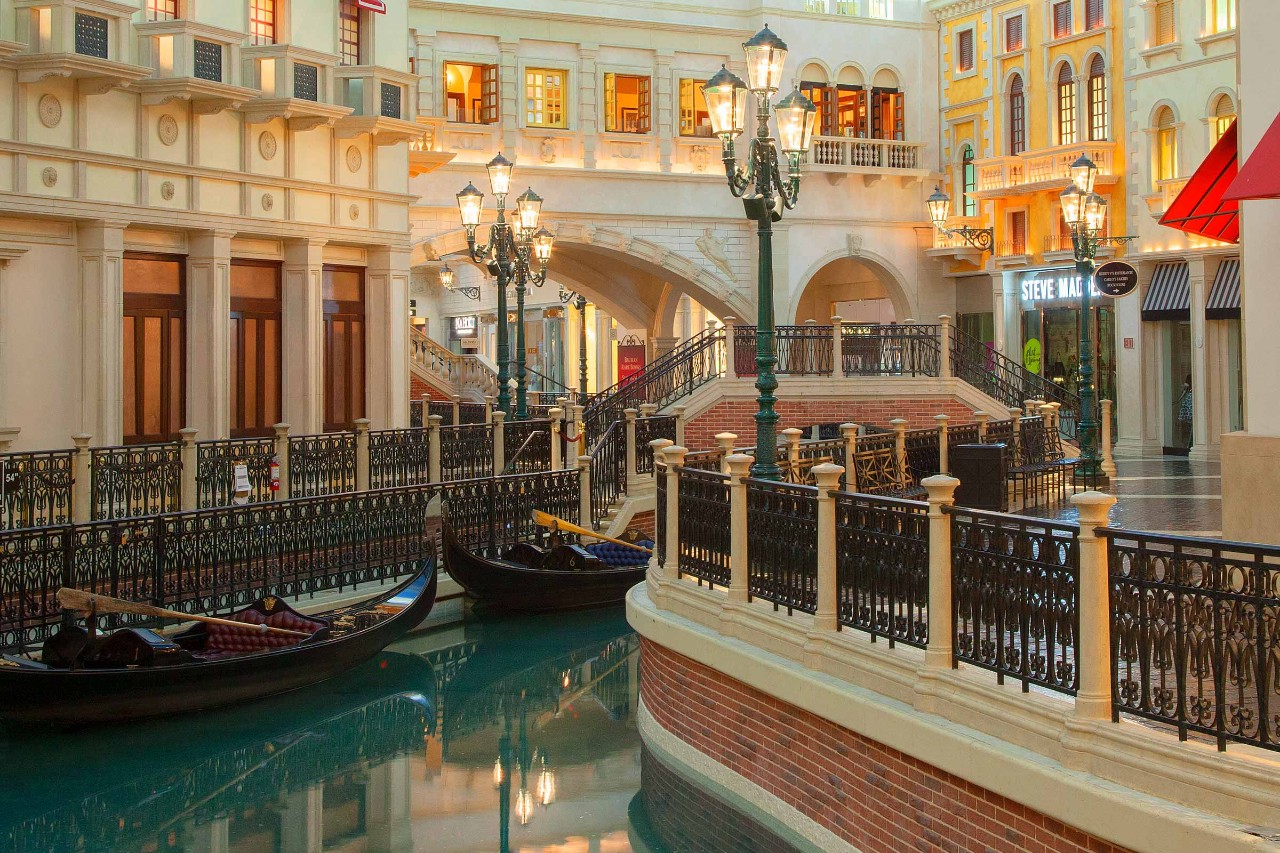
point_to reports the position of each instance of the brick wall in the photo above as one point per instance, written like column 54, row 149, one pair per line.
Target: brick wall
column 417, row 387
column 736, row 416
column 644, row 521
column 874, row 797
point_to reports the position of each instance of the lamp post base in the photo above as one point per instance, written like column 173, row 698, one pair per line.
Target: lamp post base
column 1093, row 480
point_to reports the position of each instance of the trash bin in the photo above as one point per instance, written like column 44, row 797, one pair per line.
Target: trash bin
column 982, row 470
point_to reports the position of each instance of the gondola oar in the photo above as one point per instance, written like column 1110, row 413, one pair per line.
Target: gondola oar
column 546, row 519
column 89, row 602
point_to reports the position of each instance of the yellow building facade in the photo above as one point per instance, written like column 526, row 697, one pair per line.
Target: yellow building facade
column 1026, row 88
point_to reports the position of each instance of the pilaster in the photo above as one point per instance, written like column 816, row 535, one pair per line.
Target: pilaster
column 209, row 333
column 588, row 103
column 101, row 248
column 387, row 338
column 304, row 335
column 7, row 254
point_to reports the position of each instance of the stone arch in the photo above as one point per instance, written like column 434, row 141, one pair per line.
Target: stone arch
column 1159, row 105
column 1216, row 95
column 820, row 66
column 889, row 276
column 851, row 73
column 887, row 76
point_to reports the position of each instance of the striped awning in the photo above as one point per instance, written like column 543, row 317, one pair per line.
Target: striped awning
column 1224, row 296
column 1169, row 297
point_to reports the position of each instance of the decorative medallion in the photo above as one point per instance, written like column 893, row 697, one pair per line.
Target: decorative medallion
column 267, row 145
column 699, row 157
column 354, row 158
column 354, row 211
column 167, row 129
column 548, row 150
column 167, row 190
column 50, row 111
column 268, row 201
column 49, row 176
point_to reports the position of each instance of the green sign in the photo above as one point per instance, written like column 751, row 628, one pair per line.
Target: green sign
column 1031, row 355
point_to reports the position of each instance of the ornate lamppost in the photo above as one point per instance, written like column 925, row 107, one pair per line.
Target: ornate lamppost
column 507, row 255
column 764, row 193
column 580, row 302
column 939, row 205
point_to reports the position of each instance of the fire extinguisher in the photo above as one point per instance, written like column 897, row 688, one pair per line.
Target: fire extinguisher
column 275, row 474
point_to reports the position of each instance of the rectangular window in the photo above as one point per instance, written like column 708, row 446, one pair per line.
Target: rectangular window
column 162, row 10
column 262, row 21
column 1062, row 19
column 208, row 60
column 1067, row 112
column 1013, row 34
column 349, row 32
column 964, row 51
column 91, row 36
column 1018, row 232
column 1099, row 117
column 306, row 81
column 544, row 97
column 887, row 119
column 1093, row 15
column 1165, row 30
column 471, row 92
column 1222, row 16
column 392, row 101
column 255, row 353
column 1166, row 154
column 628, row 103
column 694, row 118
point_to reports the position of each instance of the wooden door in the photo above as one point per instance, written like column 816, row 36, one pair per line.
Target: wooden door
column 255, row 348
column 154, row 344
column 344, row 344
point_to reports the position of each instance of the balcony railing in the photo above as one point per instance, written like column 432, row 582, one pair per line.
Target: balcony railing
column 865, row 153
column 1044, row 166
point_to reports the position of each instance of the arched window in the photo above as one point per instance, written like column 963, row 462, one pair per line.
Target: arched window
column 1166, row 154
column 1224, row 113
column 968, row 182
column 1099, row 115
column 1066, row 106
column 1017, row 116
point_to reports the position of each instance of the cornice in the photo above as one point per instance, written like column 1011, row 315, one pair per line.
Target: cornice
column 949, row 10
column 740, row 30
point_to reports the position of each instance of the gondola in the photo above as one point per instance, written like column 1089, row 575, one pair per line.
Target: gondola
column 135, row 672
column 530, row 579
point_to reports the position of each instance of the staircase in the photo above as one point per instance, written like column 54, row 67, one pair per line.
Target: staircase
column 1007, row 381
column 468, row 376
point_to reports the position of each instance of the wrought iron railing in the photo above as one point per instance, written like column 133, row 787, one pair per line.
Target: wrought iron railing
column 882, row 567
column 924, row 455
column 444, row 409
column 906, row 349
column 472, row 413
column 417, row 417
column 399, row 457
column 704, row 526
column 492, row 513
column 660, row 513
column 651, row 429
column 797, row 461
column 322, row 464
column 1195, row 634
column 608, row 471
column 803, row 350
column 782, row 544
column 216, row 463
column 1006, row 380
column 35, row 488
column 466, row 451
column 526, row 446
column 1015, row 592
column 134, row 480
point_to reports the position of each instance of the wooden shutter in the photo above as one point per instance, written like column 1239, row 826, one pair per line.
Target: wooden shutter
column 344, row 310
column 153, row 347
column 1017, row 117
column 1018, row 232
column 645, row 121
column 1013, row 37
column 611, row 101
column 489, row 94
column 964, row 49
column 1165, row 22
column 1062, row 19
column 687, row 109
column 1093, row 14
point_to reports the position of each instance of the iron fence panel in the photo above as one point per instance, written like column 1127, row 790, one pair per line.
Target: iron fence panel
column 35, row 488
column 322, row 464
column 139, row 479
column 882, row 567
column 704, row 526
column 215, row 469
column 782, row 544
column 399, row 457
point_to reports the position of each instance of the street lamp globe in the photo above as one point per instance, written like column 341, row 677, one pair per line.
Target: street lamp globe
column 542, row 242
column 1073, row 199
column 795, row 115
column 1095, row 213
column 1084, row 172
column 726, row 96
column 528, row 208
column 766, row 55
column 446, row 277
column 500, row 175
column 470, row 202
column 939, row 205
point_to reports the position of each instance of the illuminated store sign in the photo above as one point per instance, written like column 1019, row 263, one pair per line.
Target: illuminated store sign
column 1051, row 285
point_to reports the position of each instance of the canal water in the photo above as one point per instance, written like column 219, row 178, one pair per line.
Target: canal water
column 496, row 734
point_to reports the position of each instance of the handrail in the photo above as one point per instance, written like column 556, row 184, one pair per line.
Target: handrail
column 510, row 467
column 462, row 372
column 1001, row 377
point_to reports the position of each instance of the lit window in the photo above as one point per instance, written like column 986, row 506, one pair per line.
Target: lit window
column 544, row 97
column 1062, row 19
column 627, row 103
column 349, row 32
column 1224, row 113
column 162, row 10
column 1165, row 32
column 694, row 118
column 1017, row 116
column 1222, row 15
column 1013, row 33
column 1166, row 146
column 1099, row 116
column 968, row 182
column 888, row 115
column 471, row 92
column 964, row 50
column 262, row 21
column 1094, row 18
column 1066, row 106
column 880, row 9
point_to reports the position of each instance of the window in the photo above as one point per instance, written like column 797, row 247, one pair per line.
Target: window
column 694, row 118
column 544, row 97
column 349, row 32
column 628, row 105
column 344, row 347
column 842, row 108
column 471, row 92
column 887, row 120
column 1222, row 16
column 1017, row 116
column 162, row 10
column 1013, row 34
column 1094, row 18
column 255, row 357
column 1018, row 232
column 92, row 36
column 1224, row 113
column 968, row 182
column 262, row 21
column 1166, row 146
column 153, row 347
column 1062, row 19
column 1099, row 116
column 964, row 50
column 1066, row 106
column 1164, row 20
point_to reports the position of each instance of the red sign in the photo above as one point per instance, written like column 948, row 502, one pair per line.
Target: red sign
column 1128, row 343
column 373, row 5
column 630, row 360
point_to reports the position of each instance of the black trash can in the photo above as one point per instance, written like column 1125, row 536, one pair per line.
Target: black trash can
column 982, row 470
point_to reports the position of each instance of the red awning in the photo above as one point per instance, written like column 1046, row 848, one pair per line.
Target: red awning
column 1260, row 175
column 373, row 5
column 1201, row 207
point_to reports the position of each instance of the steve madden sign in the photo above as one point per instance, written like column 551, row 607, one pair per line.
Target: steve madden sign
column 1054, row 285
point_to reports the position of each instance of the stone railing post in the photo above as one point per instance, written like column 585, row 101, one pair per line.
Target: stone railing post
column 679, row 411
column 630, row 415
column 362, row 454
column 435, row 451
column 673, row 456
column 730, row 357
column 942, row 489
column 791, row 465
column 557, row 450
column 1029, row 406
column 944, row 451
column 426, row 407
column 981, row 418
column 7, row 436
column 457, row 408
column 488, row 409
column 81, row 480
column 648, row 410
column 1108, row 461
column 659, row 446
column 944, row 346
column 580, row 429
column 499, row 442
column 725, row 441
column 187, row 454
column 900, row 449
column 849, row 432
column 584, row 493
column 1093, row 698
column 837, row 345
column 738, row 467
column 282, row 461
column 1015, row 415
column 828, row 479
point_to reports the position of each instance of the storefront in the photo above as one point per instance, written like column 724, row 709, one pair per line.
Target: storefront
column 1050, row 345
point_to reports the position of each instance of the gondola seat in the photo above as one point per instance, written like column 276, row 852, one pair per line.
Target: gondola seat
column 619, row 555
column 223, row 640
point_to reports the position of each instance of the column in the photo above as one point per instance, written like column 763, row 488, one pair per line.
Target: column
column 942, row 489
column 388, row 796
column 826, row 615
column 209, row 380
column 303, row 349
column 101, row 249
column 1197, row 267
column 664, row 109
column 1137, row 370
column 302, row 820
column 588, row 103
column 386, row 307
column 510, row 92
column 7, row 254
column 738, row 467
column 604, row 349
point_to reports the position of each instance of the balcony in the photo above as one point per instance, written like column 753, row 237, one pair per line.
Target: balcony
column 1167, row 190
column 953, row 245
column 84, row 40
column 384, row 104
column 1059, row 249
column 879, row 9
column 1044, row 169
column 296, row 85
column 873, row 159
column 426, row 152
column 192, row 62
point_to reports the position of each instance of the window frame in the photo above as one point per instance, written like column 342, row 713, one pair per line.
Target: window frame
column 1165, row 144
column 1016, row 114
column 1213, row 10
column 543, row 109
column 490, row 112
column 1021, row 17
column 1054, row 6
column 1066, row 106
column 256, row 36
column 151, row 13
column 611, row 113
column 1101, row 21
column 1159, row 11
column 1097, row 95
column 688, row 116
column 962, row 71
column 358, row 18
column 1220, row 123
column 968, row 181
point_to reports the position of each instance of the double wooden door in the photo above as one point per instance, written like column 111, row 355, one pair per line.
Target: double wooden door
column 154, row 339
column 344, row 347
column 255, row 348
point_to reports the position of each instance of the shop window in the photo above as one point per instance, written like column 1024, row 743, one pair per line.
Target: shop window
column 964, row 51
column 349, row 32
column 262, row 21
column 1014, row 38
column 162, row 10
column 1066, row 106
column 471, row 92
column 1062, row 19
column 628, row 104
column 1166, row 139
column 1017, row 116
column 1094, row 16
column 1099, row 115
column 1165, row 31
column 1224, row 114
column 694, row 118
column 544, row 97
column 1222, row 16
column 968, row 182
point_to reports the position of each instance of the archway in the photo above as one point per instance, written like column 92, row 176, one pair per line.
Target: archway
column 857, row 288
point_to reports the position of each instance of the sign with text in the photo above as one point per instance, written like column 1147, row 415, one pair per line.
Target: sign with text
column 463, row 327
column 1116, row 279
column 1053, row 285
column 630, row 360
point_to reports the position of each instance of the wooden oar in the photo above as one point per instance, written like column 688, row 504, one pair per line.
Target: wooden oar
column 546, row 519
column 89, row 602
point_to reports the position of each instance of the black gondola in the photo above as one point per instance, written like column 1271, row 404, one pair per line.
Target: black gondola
column 531, row 579
column 135, row 673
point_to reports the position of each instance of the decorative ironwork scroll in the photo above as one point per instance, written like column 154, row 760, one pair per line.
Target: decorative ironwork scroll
column 35, row 488
column 704, row 526
column 215, row 469
column 466, row 451
column 651, row 429
column 782, row 544
column 889, row 350
column 140, row 479
column 882, row 567
column 608, row 471
column 322, row 464
column 399, row 457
